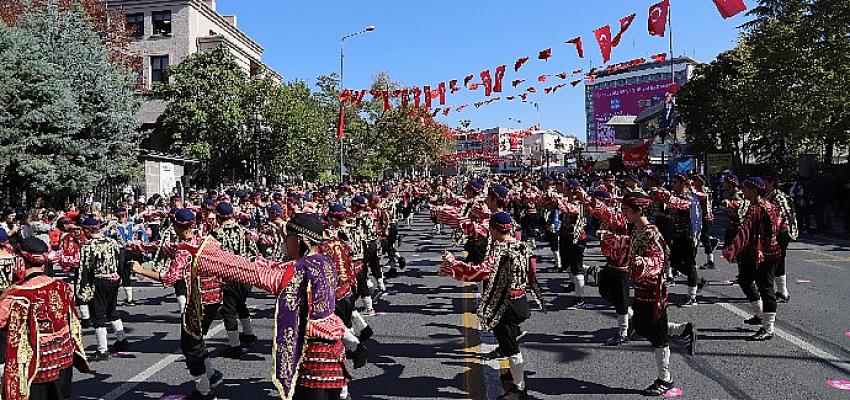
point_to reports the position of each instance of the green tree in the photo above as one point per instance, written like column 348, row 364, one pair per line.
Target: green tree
column 67, row 114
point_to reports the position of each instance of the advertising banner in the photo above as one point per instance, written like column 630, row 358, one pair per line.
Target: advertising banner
column 624, row 100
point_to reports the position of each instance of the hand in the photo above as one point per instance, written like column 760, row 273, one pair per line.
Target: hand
column 137, row 268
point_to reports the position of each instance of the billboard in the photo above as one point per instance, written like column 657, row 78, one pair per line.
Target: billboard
column 624, row 100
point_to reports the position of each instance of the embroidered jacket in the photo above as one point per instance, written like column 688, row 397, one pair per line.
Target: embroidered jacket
column 789, row 215
column 99, row 259
column 645, row 254
column 44, row 334
column 507, row 274
column 756, row 239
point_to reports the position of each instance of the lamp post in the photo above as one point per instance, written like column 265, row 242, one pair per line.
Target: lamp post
column 369, row 28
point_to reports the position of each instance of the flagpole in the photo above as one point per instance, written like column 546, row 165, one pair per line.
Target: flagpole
column 670, row 23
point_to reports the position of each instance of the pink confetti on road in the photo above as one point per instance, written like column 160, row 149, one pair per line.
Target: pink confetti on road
column 675, row 392
column 803, row 281
column 847, row 333
column 839, row 384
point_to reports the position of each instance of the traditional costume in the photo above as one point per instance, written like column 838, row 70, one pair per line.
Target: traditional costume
column 788, row 231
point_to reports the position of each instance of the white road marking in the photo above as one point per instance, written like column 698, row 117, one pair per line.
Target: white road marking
column 802, row 344
column 151, row 371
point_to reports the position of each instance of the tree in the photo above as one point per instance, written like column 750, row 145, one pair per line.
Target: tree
column 67, row 114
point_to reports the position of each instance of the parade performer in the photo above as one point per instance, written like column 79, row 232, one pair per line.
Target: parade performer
column 788, row 231
column 390, row 204
column 682, row 208
column 205, row 296
column 7, row 262
column 573, row 238
column 364, row 221
column 709, row 243
column 756, row 251
column 272, row 243
column 553, row 222
column 308, row 350
column 234, row 238
column 98, row 286
column 125, row 232
column 504, row 305
column 44, row 340
column 645, row 254
column 167, row 237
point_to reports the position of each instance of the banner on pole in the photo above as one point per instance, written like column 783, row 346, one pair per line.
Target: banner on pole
column 719, row 162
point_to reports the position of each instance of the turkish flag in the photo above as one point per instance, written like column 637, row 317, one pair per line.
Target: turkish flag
column 500, row 75
column 404, row 97
column 562, row 75
column 577, row 42
column 603, row 36
column 441, row 92
column 578, row 71
column 384, row 95
column 543, row 78
column 487, row 82
column 531, row 90
column 357, row 96
column 658, row 18
column 519, row 62
column 625, row 23
column 730, row 8
column 446, row 111
column 516, row 82
column 466, row 80
column 453, row 86
column 545, row 54
column 417, row 93
column 474, row 86
column 343, row 97
column 524, row 96
column 575, row 82
column 341, row 121
column 510, row 98
column 459, row 108
column 660, row 57
column 427, row 92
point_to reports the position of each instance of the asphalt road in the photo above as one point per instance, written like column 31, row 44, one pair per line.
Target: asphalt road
column 426, row 342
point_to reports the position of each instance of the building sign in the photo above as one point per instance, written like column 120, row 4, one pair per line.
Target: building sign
column 167, row 180
column 623, row 100
column 719, row 162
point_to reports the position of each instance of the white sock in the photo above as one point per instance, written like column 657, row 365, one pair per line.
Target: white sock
column 623, row 324
column 557, row 259
column 782, row 285
column 118, row 327
column 247, row 328
column 357, row 322
column 202, row 384
column 370, row 283
column 769, row 321
column 757, row 309
column 181, row 302
column 84, row 311
column 233, row 339
column 382, row 285
column 692, row 292
column 710, row 257
column 343, row 394
column 517, row 364
column 100, row 334
column 350, row 340
column 675, row 329
column 128, row 290
column 578, row 280
column 367, row 303
column 210, row 370
column 662, row 362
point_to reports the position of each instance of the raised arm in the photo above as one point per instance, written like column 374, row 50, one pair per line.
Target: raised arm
column 262, row 273
column 466, row 272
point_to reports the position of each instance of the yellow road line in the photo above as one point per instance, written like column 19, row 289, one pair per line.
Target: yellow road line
column 472, row 372
column 832, row 260
column 823, row 264
column 820, row 253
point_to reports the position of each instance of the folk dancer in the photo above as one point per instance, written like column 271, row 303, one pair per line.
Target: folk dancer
column 125, row 232
column 705, row 196
column 788, row 231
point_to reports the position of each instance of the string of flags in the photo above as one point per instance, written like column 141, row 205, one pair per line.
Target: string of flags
column 657, row 20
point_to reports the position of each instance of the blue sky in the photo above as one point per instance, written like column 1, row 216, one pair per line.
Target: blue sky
column 426, row 42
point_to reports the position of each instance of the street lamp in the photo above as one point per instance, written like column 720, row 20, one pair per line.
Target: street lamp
column 369, row 28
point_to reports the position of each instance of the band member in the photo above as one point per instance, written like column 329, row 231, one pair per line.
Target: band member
column 573, row 238
column 204, row 302
column 756, row 251
column 788, row 231
column 645, row 254
column 367, row 235
column 125, row 232
column 98, row 286
column 709, row 243
column 44, row 341
column 504, row 306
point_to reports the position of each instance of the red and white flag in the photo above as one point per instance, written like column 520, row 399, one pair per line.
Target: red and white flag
column 519, row 62
column 658, row 18
column 625, row 23
column 500, row 75
column 730, row 8
column 603, row 37
column 577, row 42
column 487, row 82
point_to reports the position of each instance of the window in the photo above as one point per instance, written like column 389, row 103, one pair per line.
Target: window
column 161, row 23
column 136, row 23
column 158, row 66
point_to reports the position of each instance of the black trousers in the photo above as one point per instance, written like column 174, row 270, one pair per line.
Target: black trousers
column 125, row 269
column 180, row 288
column 705, row 235
column 344, row 309
column 552, row 240
column 373, row 261
column 784, row 239
column 614, row 287
column 60, row 389
column 646, row 325
column 507, row 330
column 194, row 350
column 757, row 282
column 363, row 282
column 235, row 296
column 572, row 254
column 683, row 258
column 302, row 393
column 103, row 305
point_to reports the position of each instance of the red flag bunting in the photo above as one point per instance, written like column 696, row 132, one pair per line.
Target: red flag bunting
column 562, row 75
column 578, row 71
column 441, row 93
column 487, row 82
column 459, row 108
column 357, row 96
column 547, row 90
column 453, row 86
column 658, row 18
column 625, row 23
column 730, row 8
column 577, row 42
column 531, row 90
column 545, row 54
column 603, row 37
column 543, row 78
column 524, row 96
column 427, row 92
column 500, row 75
column 341, row 126
column 519, row 62
column 474, row 86
column 466, row 80
column 510, row 98
column 417, row 94
column 446, row 111
column 478, row 104
column 660, row 57
column 517, row 82
column 343, row 97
